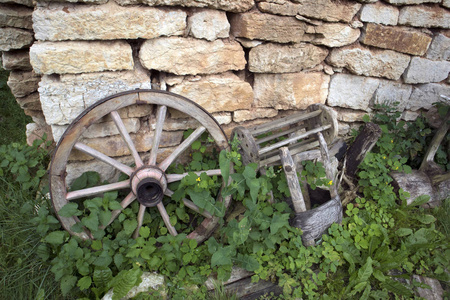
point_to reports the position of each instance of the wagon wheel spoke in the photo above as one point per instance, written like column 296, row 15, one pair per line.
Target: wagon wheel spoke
column 140, row 220
column 160, row 117
column 126, row 137
column 166, row 219
column 98, row 190
column 104, row 158
column 181, row 148
column 125, row 202
column 191, row 205
column 178, row 177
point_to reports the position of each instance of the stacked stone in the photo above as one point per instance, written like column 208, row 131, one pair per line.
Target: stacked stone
column 244, row 61
column 16, row 37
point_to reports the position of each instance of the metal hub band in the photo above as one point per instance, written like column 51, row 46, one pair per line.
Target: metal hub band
column 149, row 185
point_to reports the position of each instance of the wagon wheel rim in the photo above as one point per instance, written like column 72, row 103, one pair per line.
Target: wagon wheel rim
column 148, row 179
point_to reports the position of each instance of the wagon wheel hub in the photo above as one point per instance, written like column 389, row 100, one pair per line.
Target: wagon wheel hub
column 149, row 185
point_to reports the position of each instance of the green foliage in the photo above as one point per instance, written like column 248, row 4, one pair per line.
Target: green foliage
column 12, row 118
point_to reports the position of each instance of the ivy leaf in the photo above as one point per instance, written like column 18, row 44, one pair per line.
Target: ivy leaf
column 84, row 283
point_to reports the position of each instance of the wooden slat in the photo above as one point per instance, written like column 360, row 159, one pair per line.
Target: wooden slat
column 292, row 180
column 294, row 151
column 280, row 123
column 280, row 134
column 293, row 139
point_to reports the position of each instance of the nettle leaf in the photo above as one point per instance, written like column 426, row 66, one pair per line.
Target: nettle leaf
column 114, row 205
column 222, row 256
column 91, row 221
column 55, row 237
column 84, row 283
column 241, row 235
column 248, row 262
column 67, row 283
column 129, row 226
column 104, row 217
column 278, row 221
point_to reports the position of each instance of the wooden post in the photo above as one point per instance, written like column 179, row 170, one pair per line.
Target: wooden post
column 327, row 163
column 363, row 143
column 292, row 180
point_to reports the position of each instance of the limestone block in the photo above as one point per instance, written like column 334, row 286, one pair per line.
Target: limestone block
column 15, row 16
column 379, row 13
column 216, row 93
column 208, row 24
column 328, row 10
column 370, row 62
column 184, row 56
column 23, row 83
column 410, row 116
column 436, row 291
column 423, row 16
column 424, row 95
column 64, row 98
column 81, row 1
column 350, row 115
column 257, row 113
column 80, row 56
column 446, row 3
column 59, row 22
column 28, row 3
column 115, row 146
column 439, row 48
column 246, row 43
column 14, row 38
column 390, row 92
column 351, row 91
column 36, row 132
column 258, row 26
column 422, row 70
column 291, row 90
column 411, row 2
column 226, row 5
column 223, row 118
column 17, row 60
column 109, row 128
column 276, row 58
column 401, row 39
column 30, row 101
column 335, row 35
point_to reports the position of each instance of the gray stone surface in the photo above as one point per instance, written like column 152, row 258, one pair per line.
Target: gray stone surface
column 23, row 83
column 370, row 62
column 424, row 95
column 411, row 2
column 422, row 70
column 258, row 26
column 351, row 91
column 424, row 16
column 15, row 16
column 28, row 3
column 105, row 22
column 257, row 113
column 290, row 90
column 16, row 60
column 379, row 13
column 327, row 10
column 64, row 98
column 390, row 92
column 14, row 38
column 439, row 48
column 208, row 24
column 183, row 56
column 80, row 56
column 275, row 58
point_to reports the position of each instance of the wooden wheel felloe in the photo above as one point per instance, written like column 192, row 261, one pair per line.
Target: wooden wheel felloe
column 148, row 175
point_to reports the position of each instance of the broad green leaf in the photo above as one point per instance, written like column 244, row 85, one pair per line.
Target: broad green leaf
column 104, row 217
column 365, row 271
column 404, row 232
column 102, row 276
column 55, row 237
column 114, row 205
column 144, row 232
column 278, row 221
column 224, row 163
column 118, row 260
column 420, row 200
column 397, row 288
column 425, row 219
column 247, row 262
column 91, row 222
column 67, row 283
column 84, row 283
column 129, row 226
column 222, row 256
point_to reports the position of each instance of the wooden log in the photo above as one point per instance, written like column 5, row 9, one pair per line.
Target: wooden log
column 292, row 180
column 314, row 222
column 363, row 143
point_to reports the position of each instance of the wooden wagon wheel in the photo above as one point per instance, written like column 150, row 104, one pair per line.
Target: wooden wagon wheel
column 148, row 179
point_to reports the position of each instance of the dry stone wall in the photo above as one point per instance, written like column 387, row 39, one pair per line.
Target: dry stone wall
column 244, row 61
